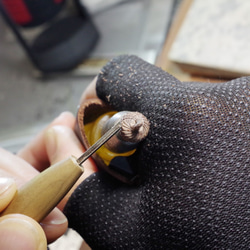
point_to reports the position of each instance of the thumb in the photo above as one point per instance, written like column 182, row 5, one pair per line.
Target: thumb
column 21, row 232
column 61, row 142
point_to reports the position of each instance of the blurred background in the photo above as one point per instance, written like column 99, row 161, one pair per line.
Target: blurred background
column 50, row 50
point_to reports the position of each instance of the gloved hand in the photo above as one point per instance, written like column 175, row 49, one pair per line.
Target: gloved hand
column 194, row 164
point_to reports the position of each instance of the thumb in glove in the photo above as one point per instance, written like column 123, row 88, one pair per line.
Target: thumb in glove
column 194, row 165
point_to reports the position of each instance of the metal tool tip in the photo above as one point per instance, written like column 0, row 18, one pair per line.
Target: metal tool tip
column 134, row 127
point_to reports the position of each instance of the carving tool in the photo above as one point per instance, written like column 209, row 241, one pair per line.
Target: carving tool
column 40, row 195
column 135, row 128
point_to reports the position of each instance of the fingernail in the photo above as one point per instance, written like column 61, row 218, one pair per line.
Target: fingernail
column 55, row 142
column 53, row 136
column 55, row 218
column 50, row 140
column 7, row 191
column 61, row 142
column 19, row 233
column 5, row 184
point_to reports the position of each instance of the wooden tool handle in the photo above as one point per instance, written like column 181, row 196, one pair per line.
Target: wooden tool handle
column 40, row 195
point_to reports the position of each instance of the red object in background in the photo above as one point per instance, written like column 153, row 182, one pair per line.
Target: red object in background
column 18, row 11
column 30, row 13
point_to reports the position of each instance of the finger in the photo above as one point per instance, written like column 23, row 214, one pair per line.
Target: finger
column 16, row 168
column 61, row 142
column 21, row 232
column 7, row 191
column 35, row 152
column 54, row 225
column 129, row 83
column 18, row 171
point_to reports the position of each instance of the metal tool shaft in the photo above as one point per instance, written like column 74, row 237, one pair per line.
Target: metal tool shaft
column 115, row 129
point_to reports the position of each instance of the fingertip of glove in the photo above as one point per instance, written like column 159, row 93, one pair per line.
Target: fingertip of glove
column 117, row 72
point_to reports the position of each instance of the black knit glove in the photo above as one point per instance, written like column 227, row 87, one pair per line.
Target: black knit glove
column 194, row 165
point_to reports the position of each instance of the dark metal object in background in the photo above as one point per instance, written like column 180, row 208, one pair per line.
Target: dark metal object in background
column 63, row 45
